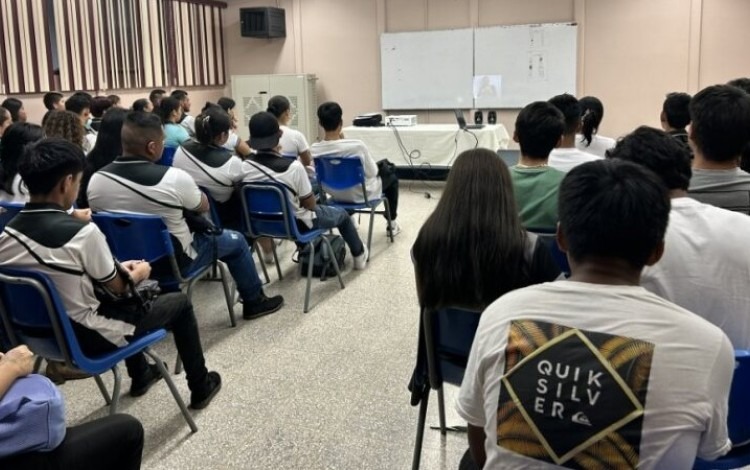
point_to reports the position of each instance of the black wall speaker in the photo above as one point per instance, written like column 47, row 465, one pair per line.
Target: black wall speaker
column 263, row 22
column 478, row 117
column 492, row 117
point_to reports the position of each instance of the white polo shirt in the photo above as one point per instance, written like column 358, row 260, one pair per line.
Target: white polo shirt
column 356, row 149
column 565, row 159
column 599, row 145
column 292, row 141
column 211, row 167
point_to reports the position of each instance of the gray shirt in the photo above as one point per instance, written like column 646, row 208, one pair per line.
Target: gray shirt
column 729, row 189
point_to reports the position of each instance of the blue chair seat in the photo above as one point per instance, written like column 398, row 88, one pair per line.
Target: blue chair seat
column 8, row 210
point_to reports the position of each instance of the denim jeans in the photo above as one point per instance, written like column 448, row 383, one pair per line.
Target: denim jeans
column 336, row 217
column 231, row 248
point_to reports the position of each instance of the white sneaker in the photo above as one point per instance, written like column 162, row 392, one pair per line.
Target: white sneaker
column 394, row 229
column 361, row 261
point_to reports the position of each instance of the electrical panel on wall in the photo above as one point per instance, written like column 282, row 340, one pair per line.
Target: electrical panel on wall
column 254, row 91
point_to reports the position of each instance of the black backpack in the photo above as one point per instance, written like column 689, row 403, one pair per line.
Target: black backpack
column 322, row 263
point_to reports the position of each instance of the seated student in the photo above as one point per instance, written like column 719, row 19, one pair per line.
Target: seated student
column 675, row 116
column 80, row 104
column 334, row 143
column 15, row 139
column 99, row 106
column 472, row 249
column 115, row 100
column 134, row 183
column 706, row 262
column 267, row 164
column 595, row 371
column 539, row 128
column 143, row 105
column 719, row 132
column 114, row 442
column 74, row 254
column 212, row 166
column 292, row 142
column 156, row 96
column 66, row 125
column 15, row 106
column 233, row 143
column 566, row 156
column 589, row 139
column 108, row 147
column 185, row 119
column 53, row 101
column 169, row 111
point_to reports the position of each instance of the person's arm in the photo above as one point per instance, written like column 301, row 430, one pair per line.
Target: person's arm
column 476, row 445
column 138, row 270
column 16, row 363
column 308, row 202
column 242, row 149
column 715, row 439
column 303, row 187
column 306, row 158
column 371, row 168
column 191, row 197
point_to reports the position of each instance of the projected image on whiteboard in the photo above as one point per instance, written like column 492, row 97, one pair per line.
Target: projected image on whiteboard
column 488, row 91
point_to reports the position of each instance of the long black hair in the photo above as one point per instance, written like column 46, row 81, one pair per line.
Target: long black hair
column 212, row 122
column 108, row 147
column 15, row 140
column 470, row 251
column 592, row 113
column 166, row 107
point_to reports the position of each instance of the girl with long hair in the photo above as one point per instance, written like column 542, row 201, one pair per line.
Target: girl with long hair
column 15, row 140
column 170, row 112
column 108, row 147
column 292, row 141
column 66, row 125
column 589, row 140
column 233, row 143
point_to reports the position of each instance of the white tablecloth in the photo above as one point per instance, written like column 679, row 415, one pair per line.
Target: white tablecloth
column 438, row 144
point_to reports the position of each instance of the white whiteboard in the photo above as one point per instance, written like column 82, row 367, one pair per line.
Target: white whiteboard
column 427, row 70
column 535, row 62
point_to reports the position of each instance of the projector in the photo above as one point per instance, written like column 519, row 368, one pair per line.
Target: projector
column 401, row 121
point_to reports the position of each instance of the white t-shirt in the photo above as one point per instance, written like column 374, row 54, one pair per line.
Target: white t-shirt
column 232, row 141
column 164, row 191
column 188, row 122
column 267, row 166
column 706, row 266
column 213, row 168
column 351, row 148
column 20, row 192
column 599, row 144
column 565, row 159
column 292, row 141
column 582, row 359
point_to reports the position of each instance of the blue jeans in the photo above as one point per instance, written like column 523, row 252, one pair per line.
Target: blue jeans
column 231, row 248
column 336, row 217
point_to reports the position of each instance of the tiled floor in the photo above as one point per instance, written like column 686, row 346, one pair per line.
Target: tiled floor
column 322, row 390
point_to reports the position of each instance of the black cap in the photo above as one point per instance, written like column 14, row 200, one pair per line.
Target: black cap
column 264, row 131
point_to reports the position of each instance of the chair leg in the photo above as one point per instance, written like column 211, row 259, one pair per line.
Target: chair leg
column 103, row 390
column 256, row 247
column 115, row 391
column 388, row 218
column 309, row 276
column 226, row 281
column 276, row 259
column 189, row 293
column 335, row 263
column 180, row 403
column 441, row 410
column 369, row 233
column 420, row 431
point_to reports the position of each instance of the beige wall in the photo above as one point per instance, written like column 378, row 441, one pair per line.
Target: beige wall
column 198, row 96
column 631, row 52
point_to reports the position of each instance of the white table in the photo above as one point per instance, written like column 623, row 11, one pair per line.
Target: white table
column 438, row 144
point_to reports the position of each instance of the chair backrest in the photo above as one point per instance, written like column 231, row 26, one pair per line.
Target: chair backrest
column 267, row 211
column 213, row 211
column 36, row 316
column 739, row 405
column 448, row 333
column 8, row 210
column 550, row 240
column 340, row 173
column 135, row 236
column 167, row 156
column 509, row 156
column 737, row 201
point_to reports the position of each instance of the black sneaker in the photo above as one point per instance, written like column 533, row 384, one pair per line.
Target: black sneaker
column 200, row 400
column 261, row 305
column 140, row 386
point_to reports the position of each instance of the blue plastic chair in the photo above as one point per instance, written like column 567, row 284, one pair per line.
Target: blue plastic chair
column 36, row 317
column 445, row 339
column 8, row 210
column 342, row 173
column 549, row 238
column 167, row 156
column 738, row 420
column 267, row 212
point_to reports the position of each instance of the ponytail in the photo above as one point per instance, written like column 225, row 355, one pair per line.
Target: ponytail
column 593, row 112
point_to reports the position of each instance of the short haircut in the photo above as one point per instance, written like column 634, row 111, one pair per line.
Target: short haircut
column 330, row 115
column 212, row 122
column 156, row 95
column 99, row 105
column 51, row 99
column 45, row 163
column 13, row 105
column 741, row 83
column 720, row 117
column 613, row 209
column 278, row 105
column 539, row 127
column 571, row 110
column 114, row 99
column 140, row 104
column 77, row 103
column 658, row 151
column 226, row 103
column 676, row 110
column 139, row 128
column 179, row 94
column 167, row 107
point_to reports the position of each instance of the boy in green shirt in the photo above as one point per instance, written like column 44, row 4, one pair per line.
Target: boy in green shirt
column 539, row 129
